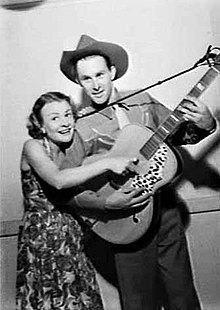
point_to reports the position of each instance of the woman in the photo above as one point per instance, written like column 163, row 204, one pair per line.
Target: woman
column 53, row 271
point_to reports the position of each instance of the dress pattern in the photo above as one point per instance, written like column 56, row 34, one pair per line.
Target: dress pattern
column 53, row 272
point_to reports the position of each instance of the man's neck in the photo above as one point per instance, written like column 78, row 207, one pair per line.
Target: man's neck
column 114, row 96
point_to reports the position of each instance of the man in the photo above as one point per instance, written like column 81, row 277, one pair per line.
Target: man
column 155, row 270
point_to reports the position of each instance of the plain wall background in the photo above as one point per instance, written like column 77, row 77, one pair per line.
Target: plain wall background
column 162, row 37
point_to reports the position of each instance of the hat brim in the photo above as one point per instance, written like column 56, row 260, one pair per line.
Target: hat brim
column 116, row 54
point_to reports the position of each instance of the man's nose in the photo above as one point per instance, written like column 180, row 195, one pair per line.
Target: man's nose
column 95, row 84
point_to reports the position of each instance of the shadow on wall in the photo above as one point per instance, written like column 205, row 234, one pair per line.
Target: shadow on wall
column 199, row 173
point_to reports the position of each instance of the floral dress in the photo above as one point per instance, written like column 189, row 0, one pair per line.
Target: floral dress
column 53, row 272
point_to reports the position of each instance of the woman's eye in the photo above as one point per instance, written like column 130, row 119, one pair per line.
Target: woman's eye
column 69, row 115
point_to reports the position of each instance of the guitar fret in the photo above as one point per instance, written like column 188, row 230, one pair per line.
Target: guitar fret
column 174, row 117
column 216, row 70
column 151, row 146
column 163, row 128
column 155, row 141
column 201, row 86
column 178, row 114
column 195, row 93
column 170, row 124
column 162, row 133
column 205, row 81
column 146, row 152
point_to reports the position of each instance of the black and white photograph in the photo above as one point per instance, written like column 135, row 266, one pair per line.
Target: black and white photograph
column 110, row 155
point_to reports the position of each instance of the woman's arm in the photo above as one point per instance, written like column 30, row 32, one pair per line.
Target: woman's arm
column 35, row 156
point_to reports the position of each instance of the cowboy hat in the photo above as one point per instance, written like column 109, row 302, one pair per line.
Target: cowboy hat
column 89, row 46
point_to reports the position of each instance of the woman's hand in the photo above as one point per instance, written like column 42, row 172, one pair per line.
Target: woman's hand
column 121, row 165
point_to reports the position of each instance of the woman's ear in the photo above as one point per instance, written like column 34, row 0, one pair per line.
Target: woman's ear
column 113, row 72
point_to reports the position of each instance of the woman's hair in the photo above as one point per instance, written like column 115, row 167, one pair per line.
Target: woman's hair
column 35, row 120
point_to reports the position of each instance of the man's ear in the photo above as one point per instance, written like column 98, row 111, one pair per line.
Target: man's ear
column 113, row 72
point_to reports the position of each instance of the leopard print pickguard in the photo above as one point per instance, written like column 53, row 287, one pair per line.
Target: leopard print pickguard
column 154, row 173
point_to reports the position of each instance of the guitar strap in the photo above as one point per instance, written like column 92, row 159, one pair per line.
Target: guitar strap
column 121, row 116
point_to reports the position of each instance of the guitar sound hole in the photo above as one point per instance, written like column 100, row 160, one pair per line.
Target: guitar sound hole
column 135, row 219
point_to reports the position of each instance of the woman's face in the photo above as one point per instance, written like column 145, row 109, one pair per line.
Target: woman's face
column 58, row 121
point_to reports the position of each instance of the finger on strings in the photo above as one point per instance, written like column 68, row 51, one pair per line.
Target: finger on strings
column 141, row 203
column 137, row 192
column 190, row 99
column 141, row 198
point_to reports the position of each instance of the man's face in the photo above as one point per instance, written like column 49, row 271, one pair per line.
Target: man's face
column 96, row 78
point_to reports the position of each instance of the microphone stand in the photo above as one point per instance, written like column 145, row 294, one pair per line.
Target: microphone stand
column 205, row 60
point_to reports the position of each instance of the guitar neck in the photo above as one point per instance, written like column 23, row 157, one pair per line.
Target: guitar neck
column 176, row 117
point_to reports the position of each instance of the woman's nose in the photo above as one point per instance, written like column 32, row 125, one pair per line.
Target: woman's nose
column 65, row 121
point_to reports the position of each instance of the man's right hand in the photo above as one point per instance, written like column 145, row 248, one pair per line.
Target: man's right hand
column 127, row 198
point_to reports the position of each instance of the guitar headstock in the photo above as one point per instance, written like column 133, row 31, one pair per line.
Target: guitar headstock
column 211, row 58
column 216, row 59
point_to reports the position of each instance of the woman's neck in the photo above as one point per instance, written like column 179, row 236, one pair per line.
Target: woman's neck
column 58, row 149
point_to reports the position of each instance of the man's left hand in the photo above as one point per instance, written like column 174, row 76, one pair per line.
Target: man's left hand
column 197, row 112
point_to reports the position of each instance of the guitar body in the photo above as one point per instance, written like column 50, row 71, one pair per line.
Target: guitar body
column 126, row 226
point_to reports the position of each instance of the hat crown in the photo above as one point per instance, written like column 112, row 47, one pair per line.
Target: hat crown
column 85, row 41
column 89, row 46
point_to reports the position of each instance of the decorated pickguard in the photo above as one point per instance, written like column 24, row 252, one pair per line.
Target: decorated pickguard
column 154, row 173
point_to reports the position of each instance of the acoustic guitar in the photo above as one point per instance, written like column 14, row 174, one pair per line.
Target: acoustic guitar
column 156, row 167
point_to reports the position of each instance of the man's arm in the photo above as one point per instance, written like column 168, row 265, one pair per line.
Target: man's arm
column 120, row 199
column 199, row 121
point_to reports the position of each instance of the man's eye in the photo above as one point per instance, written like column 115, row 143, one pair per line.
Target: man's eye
column 85, row 78
column 55, row 118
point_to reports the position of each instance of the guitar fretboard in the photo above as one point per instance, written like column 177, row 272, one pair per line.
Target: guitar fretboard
column 176, row 117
